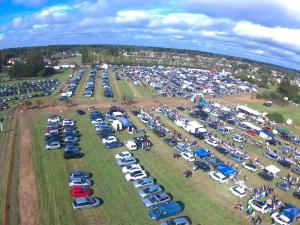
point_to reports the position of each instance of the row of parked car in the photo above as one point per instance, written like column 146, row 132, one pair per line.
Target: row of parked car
column 152, row 195
column 59, row 133
column 107, row 90
column 24, row 88
column 90, row 84
column 72, row 85
column 80, row 189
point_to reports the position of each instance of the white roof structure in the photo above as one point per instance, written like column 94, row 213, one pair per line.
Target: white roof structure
column 252, row 126
column 272, row 169
column 195, row 124
column 245, row 108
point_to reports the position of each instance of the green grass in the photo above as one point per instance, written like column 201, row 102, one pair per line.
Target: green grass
column 124, row 88
column 288, row 112
column 144, row 91
column 76, row 59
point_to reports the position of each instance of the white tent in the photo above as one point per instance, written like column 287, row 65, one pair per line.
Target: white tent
column 248, row 110
column 273, row 170
column 193, row 127
column 252, row 126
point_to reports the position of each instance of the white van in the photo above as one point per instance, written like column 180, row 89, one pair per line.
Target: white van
column 131, row 145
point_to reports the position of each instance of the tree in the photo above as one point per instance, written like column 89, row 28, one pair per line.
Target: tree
column 286, row 89
column 277, row 117
column 35, row 61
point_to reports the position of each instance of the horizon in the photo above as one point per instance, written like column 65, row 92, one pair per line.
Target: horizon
column 232, row 28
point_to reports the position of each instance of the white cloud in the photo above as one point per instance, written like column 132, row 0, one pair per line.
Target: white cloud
column 132, row 16
column 17, row 22
column 277, row 34
column 54, row 11
column 257, row 51
column 40, row 26
column 210, row 33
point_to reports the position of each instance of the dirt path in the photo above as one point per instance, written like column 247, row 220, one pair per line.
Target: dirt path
column 27, row 183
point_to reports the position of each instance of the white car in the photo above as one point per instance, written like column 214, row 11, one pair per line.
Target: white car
column 131, row 145
column 258, row 205
column 109, row 139
column 281, row 219
column 249, row 166
column 70, row 122
column 237, row 138
column 135, row 175
column 239, row 192
column 123, row 155
column 188, row 156
column 217, row 176
column 212, row 142
column 53, row 119
column 129, row 168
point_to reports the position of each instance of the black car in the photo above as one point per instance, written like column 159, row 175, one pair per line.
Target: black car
column 200, row 135
column 194, row 114
column 296, row 194
column 222, row 150
column 170, row 141
column 213, row 125
column 72, row 155
column 284, row 163
column 199, row 165
column 159, row 132
column 266, row 176
column 115, row 144
column 104, row 133
column 80, row 112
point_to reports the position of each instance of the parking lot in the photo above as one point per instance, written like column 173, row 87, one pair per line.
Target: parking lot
column 198, row 194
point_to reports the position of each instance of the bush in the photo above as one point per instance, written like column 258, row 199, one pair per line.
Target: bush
column 277, row 117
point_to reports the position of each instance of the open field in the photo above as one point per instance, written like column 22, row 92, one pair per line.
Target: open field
column 76, row 59
column 205, row 202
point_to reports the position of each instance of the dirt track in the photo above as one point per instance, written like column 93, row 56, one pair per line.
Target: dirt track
column 27, row 184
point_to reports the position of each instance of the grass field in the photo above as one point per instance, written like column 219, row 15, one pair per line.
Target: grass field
column 288, row 112
column 144, row 91
column 76, row 59
column 124, row 88
column 121, row 204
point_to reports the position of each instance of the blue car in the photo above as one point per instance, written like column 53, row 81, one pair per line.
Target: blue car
column 165, row 210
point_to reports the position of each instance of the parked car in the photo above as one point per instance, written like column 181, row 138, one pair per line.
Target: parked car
column 222, row 150
column 123, row 155
column 143, row 182
column 237, row 157
column 78, row 173
column 136, row 175
column 165, row 210
column 177, row 221
column 281, row 219
column 258, row 205
column 131, row 145
column 296, row 170
column 249, row 166
column 79, row 182
column 285, row 163
column 181, row 147
column 285, row 186
column 239, row 192
column 80, row 112
column 109, row 139
column 130, row 168
column 115, row 144
column 271, row 155
column 212, row 142
column 296, row 194
column 156, row 199
column 80, row 192
column 126, row 161
column 85, row 203
column 53, row 119
column 199, row 165
column 72, row 148
column 188, row 156
column 237, row 138
column 266, row 176
column 219, row 177
column 72, row 155
column 149, row 190
column 52, row 145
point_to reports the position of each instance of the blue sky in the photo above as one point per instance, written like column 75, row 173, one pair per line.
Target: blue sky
column 266, row 30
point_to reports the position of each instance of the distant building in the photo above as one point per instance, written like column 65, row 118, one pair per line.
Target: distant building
column 13, row 61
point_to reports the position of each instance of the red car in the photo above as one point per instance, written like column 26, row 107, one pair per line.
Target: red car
column 251, row 132
column 80, row 192
column 267, row 128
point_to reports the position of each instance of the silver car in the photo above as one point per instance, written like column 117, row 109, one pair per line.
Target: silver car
column 79, row 182
column 176, row 221
column 149, row 190
column 85, row 203
column 143, row 182
column 156, row 199
column 126, row 161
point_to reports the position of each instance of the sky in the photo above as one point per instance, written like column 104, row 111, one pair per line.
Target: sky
column 264, row 30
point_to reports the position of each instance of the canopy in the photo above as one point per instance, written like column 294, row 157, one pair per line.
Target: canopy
column 272, row 169
column 125, row 122
column 269, row 133
column 290, row 212
column 226, row 170
column 201, row 152
column 283, row 131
